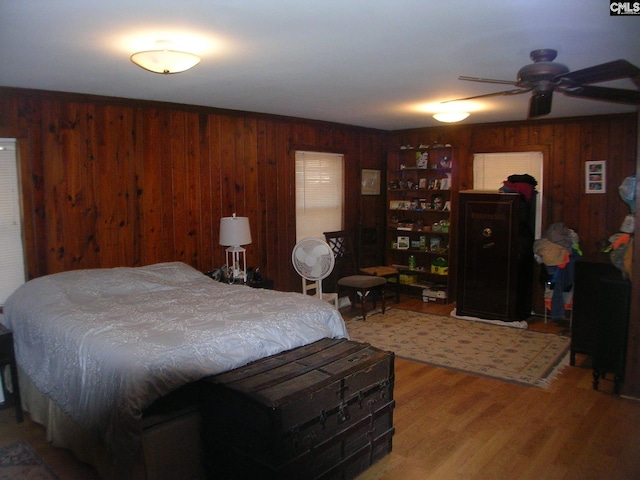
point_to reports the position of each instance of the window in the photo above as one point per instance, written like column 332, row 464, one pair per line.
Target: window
column 491, row 169
column 11, row 253
column 319, row 193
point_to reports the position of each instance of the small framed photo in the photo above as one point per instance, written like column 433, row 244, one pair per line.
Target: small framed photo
column 370, row 182
column 595, row 177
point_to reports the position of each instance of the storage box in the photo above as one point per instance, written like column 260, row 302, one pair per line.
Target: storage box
column 435, row 295
column 323, row 410
column 440, row 266
column 406, row 279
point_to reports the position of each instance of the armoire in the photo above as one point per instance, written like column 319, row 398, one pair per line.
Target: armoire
column 495, row 255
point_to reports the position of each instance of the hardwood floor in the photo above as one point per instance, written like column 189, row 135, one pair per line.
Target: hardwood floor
column 450, row 425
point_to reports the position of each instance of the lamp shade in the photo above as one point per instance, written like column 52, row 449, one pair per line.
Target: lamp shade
column 165, row 61
column 450, row 117
column 234, row 231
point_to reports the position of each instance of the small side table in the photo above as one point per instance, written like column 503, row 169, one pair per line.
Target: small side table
column 8, row 357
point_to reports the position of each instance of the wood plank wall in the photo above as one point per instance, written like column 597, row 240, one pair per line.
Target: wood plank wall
column 112, row 182
column 566, row 144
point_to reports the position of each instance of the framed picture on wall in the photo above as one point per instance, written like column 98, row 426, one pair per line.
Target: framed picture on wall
column 370, row 182
column 595, row 177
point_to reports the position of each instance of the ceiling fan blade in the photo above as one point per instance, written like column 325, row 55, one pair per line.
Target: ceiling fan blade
column 618, row 95
column 600, row 73
column 516, row 91
column 540, row 103
column 486, row 80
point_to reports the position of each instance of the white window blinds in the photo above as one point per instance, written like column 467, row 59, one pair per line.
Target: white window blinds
column 11, row 253
column 319, row 193
column 491, row 169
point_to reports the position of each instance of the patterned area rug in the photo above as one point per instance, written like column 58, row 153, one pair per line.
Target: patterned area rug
column 19, row 461
column 503, row 353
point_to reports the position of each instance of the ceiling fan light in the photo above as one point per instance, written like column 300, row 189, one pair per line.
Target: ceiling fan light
column 450, row 117
column 165, row 61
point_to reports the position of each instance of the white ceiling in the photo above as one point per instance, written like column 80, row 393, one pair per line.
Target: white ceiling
column 358, row 62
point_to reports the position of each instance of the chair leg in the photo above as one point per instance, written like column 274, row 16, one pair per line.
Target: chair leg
column 364, row 307
column 383, row 299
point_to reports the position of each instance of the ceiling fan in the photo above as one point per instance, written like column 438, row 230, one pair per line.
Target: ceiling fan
column 544, row 76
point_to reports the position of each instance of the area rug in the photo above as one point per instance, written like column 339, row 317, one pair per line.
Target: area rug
column 510, row 354
column 19, row 461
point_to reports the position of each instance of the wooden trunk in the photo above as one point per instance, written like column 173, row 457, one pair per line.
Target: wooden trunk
column 324, row 410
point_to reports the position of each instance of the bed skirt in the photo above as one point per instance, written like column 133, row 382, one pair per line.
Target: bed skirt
column 171, row 440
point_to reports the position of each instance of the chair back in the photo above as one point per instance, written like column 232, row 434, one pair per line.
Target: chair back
column 369, row 251
column 345, row 265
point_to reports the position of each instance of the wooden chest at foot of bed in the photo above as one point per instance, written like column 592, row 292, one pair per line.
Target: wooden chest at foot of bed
column 324, row 410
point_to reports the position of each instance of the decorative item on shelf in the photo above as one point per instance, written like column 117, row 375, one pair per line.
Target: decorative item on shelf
column 415, row 244
column 438, row 202
column 394, row 184
column 423, row 243
column 403, row 242
column 445, row 183
column 440, row 266
column 412, row 262
column 447, row 206
column 445, row 162
column 434, row 244
column 422, row 183
column 422, row 159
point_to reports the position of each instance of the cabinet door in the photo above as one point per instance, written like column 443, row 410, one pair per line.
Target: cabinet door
column 488, row 235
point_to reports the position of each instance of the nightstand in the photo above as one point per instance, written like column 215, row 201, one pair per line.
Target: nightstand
column 7, row 357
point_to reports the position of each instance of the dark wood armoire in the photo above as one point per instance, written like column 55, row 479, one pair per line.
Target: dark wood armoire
column 495, row 255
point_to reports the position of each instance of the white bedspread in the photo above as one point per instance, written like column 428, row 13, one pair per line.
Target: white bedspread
column 105, row 343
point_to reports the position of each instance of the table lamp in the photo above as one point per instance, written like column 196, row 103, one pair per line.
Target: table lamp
column 234, row 232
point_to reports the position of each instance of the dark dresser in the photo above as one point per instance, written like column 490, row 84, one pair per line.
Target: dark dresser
column 601, row 305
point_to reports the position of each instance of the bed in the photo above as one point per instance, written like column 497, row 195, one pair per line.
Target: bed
column 97, row 348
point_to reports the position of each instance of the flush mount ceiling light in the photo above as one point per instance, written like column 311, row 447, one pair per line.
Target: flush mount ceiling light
column 450, row 117
column 165, row 61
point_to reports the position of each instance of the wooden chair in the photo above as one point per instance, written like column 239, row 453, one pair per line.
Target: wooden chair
column 370, row 259
column 359, row 287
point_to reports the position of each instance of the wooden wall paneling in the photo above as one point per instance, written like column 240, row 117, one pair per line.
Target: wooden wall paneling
column 249, row 161
column 193, row 192
column 207, row 224
column 165, row 165
column 285, row 276
column 55, row 186
column 259, row 196
column 593, row 212
column 150, row 180
column 178, row 187
column 269, row 263
column 217, row 206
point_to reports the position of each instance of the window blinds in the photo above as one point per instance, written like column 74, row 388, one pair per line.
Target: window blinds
column 491, row 169
column 11, row 253
column 319, row 193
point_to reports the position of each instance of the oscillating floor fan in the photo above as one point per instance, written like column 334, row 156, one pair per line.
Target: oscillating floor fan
column 313, row 260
